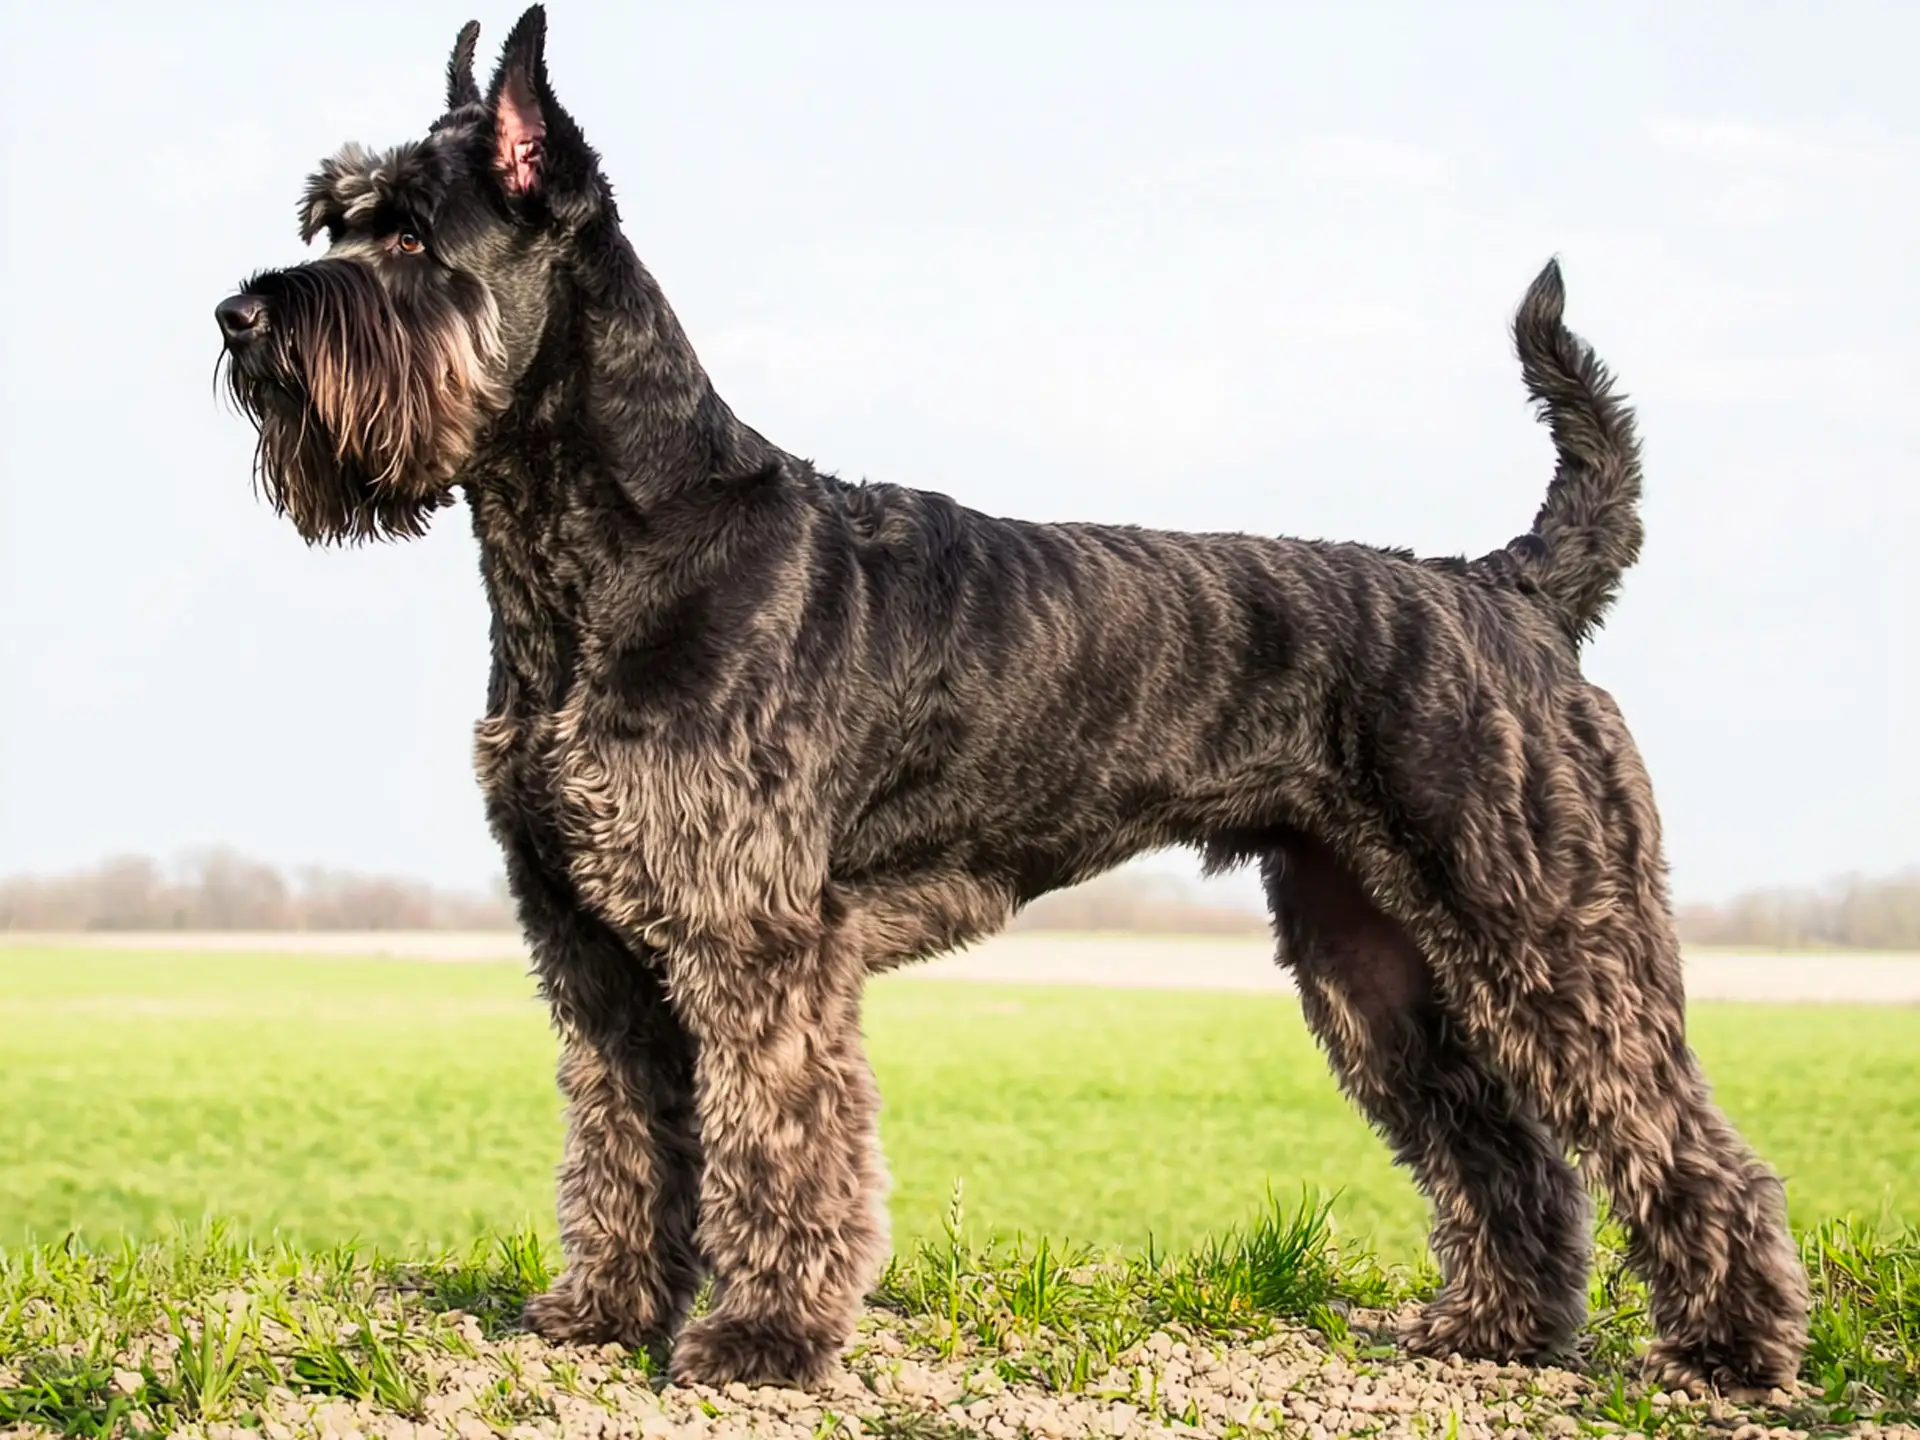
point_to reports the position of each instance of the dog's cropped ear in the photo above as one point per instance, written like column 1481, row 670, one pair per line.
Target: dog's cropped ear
column 461, row 89
column 538, row 151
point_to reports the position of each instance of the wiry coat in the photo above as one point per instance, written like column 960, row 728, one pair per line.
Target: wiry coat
column 754, row 733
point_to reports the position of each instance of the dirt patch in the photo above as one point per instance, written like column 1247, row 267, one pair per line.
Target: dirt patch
column 900, row 1382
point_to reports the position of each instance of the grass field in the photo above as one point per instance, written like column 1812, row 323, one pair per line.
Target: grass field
column 412, row 1105
column 361, row 1107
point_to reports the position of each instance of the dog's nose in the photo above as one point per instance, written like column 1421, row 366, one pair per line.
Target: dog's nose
column 242, row 318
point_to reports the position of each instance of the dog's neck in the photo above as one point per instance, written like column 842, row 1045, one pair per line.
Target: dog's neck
column 614, row 422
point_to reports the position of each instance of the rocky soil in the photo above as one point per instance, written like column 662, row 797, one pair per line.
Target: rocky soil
column 901, row 1382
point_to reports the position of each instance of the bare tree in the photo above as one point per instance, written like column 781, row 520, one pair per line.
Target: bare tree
column 220, row 889
column 1127, row 902
column 1853, row 913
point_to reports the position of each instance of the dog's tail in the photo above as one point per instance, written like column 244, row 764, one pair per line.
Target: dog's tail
column 1588, row 533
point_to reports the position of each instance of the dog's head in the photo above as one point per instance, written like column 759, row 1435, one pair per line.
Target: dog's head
column 372, row 372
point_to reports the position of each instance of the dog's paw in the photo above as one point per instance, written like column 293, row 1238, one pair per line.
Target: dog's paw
column 1680, row 1365
column 1437, row 1331
column 1450, row 1325
column 720, row 1350
column 563, row 1315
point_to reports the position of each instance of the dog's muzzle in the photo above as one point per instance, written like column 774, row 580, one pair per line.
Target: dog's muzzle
column 242, row 320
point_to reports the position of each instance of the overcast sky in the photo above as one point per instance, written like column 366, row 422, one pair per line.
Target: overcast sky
column 1225, row 267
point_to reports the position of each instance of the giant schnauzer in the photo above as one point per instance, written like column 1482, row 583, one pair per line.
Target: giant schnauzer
column 754, row 734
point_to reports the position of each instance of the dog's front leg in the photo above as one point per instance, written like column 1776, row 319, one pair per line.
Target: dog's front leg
column 629, row 1177
column 627, row 1189
column 793, row 1200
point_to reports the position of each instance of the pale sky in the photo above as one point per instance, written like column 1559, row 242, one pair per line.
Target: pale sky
column 1224, row 267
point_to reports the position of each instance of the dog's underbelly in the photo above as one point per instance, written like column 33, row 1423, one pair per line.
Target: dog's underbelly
column 691, row 860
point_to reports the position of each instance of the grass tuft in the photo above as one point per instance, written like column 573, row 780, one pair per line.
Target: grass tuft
column 492, row 1282
column 1068, row 1314
column 68, row 1394
column 1864, row 1352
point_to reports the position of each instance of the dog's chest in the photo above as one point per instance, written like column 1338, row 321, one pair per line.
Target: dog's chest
column 680, row 847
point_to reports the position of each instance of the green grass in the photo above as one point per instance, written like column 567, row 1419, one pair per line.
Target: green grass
column 200, row 1327
column 1117, row 1150
column 412, row 1105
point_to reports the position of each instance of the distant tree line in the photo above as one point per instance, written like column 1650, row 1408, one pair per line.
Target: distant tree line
column 1852, row 914
column 1132, row 903
column 1855, row 914
column 222, row 890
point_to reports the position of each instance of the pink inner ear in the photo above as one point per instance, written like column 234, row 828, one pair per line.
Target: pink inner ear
column 522, row 134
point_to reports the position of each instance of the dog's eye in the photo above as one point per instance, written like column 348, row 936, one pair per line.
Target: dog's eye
column 408, row 243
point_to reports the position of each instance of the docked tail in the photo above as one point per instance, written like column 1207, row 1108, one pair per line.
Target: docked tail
column 1588, row 532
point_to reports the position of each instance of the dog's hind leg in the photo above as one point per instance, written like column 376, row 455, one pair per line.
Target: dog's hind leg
column 1580, row 1004
column 1511, row 1222
column 1605, row 1060
column 628, row 1183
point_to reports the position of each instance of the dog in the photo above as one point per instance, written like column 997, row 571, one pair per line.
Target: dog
column 754, row 734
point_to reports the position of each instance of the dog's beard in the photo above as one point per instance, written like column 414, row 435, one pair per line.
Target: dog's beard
column 367, row 403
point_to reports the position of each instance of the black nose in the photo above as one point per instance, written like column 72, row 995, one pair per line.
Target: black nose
column 242, row 318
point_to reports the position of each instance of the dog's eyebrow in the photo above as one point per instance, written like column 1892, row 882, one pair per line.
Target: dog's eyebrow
column 357, row 187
